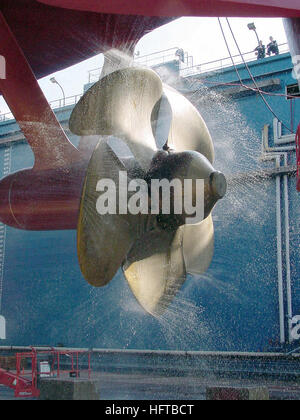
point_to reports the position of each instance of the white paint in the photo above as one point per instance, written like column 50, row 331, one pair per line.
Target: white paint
column 2, row 328
column 296, row 329
column 45, row 370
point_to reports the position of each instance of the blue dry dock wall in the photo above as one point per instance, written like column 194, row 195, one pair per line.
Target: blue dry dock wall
column 35, row 269
column 273, row 75
column 236, row 118
column 294, row 200
column 233, row 306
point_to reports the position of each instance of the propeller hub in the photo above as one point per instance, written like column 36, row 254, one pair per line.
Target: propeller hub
column 218, row 184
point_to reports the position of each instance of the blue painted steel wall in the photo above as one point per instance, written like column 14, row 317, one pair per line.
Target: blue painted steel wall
column 234, row 306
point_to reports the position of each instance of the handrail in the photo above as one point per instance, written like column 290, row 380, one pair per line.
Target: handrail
column 157, row 52
column 213, row 65
column 56, row 104
column 226, row 62
column 179, row 353
column 161, row 59
column 148, row 60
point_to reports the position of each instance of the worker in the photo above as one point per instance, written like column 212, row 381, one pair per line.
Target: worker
column 180, row 53
column 273, row 47
column 260, row 51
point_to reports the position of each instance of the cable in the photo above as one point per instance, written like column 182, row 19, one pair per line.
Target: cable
column 253, row 79
column 257, row 89
column 234, row 65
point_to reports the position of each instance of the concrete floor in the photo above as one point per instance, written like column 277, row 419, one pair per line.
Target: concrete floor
column 156, row 388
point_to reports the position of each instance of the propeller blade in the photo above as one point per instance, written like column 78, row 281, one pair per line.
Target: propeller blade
column 103, row 241
column 161, row 121
column 121, row 104
column 155, row 269
column 188, row 130
column 198, row 246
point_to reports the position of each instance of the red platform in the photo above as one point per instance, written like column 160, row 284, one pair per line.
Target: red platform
column 22, row 386
column 25, row 382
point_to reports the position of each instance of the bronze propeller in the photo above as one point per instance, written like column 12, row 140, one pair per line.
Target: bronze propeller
column 148, row 131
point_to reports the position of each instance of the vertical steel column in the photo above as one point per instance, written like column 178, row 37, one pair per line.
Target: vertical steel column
column 6, row 171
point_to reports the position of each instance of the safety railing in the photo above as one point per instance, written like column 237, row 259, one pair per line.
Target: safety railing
column 63, row 102
column 37, row 364
column 152, row 60
column 94, row 75
column 160, row 57
column 187, row 68
column 58, row 103
column 225, row 62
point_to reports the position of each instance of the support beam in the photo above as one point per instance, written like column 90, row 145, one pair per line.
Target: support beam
column 30, row 108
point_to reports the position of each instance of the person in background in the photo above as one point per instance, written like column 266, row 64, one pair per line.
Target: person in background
column 180, row 53
column 273, row 47
column 260, row 51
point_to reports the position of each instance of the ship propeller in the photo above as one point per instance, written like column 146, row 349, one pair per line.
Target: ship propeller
column 148, row 131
